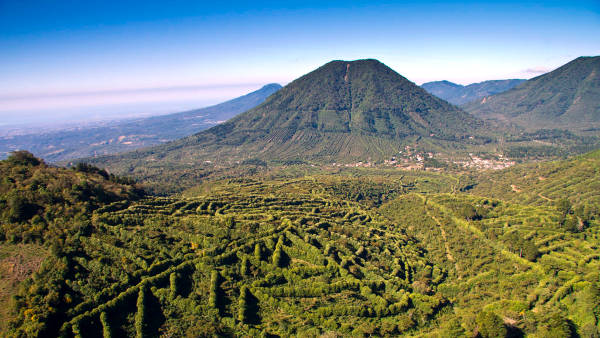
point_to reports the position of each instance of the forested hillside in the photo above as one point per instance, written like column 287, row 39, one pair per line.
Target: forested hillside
column 350, row 202
column 545, row 183
column 42, row 210
column 344, row 111
column 566, row 98
column 269, row 236
column 459, row 94
column 309, row 251
column 36, row 199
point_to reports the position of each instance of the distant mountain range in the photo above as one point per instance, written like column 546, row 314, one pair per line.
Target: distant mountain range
column 132, row 134
column 566, row 98
column 459, row 94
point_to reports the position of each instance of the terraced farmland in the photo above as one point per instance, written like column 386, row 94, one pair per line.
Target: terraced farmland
column 309, row 252
column 246, row 263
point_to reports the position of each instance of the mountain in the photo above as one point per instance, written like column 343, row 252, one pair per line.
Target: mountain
column 459, row 94
column 445, row 90
column 568, row 97
column 342, row 112
column 115, row 137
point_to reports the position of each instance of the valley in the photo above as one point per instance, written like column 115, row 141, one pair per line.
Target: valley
column 419, row 169
column 460, row 95
column 350, row 202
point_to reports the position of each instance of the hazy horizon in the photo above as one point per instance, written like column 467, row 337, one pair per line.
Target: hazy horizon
column 106, row 105
column 49, row 109
column 59, row 109
column 63, row 59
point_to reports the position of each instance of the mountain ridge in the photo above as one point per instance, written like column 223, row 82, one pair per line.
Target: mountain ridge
column 458, row 94
column 566, row 98
column 131, row 134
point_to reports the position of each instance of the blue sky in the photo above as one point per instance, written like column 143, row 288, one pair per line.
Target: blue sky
column 69, row 55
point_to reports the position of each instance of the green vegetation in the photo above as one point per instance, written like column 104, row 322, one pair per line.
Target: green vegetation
column 341, row 112
column 575, row 181
column 40, row 203
column 565, row 98
column 268, row 237
column 489, row 325
column 164, row 259
column 305, row 251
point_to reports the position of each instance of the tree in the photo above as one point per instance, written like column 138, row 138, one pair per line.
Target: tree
column 88, row 168
column 140, row 315
column 23, row 157
column 468, row 212
column 279, row 256
column 490, row 325
column 452, row 328
column 245, row 266
column 173, row 279
column 106, row 330
column 20, row 209
column 554, row 326
column 523, row 247
column 215, row 280
column 571, row 223
column 563, row 205
column 258, row 252
column 243, row 305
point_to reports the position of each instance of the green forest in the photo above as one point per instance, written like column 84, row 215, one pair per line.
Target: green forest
column 296, row 250
column 353, row 200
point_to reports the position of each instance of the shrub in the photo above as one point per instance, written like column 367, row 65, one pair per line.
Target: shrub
column 245, row 266
column 106, row 329
column 140, row 315
column 215, row 280
column 23, row 157
column 554, row 325
column 258, row 252
column 243, row 305
column 490, row 325
column 173, row 279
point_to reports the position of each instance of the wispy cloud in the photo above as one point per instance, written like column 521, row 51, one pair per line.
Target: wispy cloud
column 44, row 101
column 537, row 70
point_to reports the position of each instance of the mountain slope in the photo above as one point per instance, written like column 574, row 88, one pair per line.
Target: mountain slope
column 343, row 111
column 568, row 97
column 576, row 178
column 36, row 198
column 349, row 252
column 118, row 137
column 459, row 94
